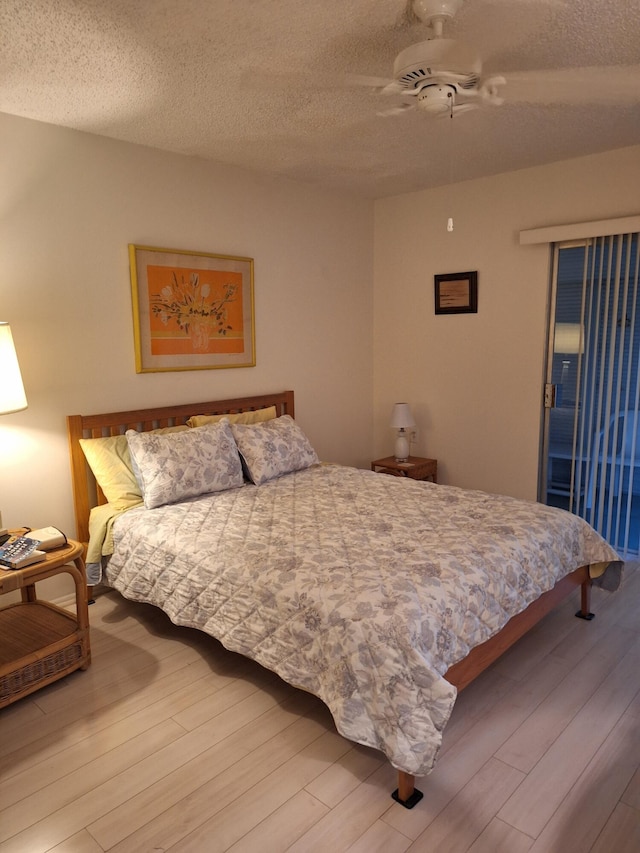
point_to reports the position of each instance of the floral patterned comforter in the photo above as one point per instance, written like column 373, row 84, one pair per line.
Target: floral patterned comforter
column 358, row 587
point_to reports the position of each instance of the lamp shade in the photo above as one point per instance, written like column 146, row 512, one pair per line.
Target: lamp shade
column 569, row 338
column 12, row 396
column 401, row 417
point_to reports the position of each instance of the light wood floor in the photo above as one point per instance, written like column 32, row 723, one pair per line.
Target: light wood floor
column 168, row 742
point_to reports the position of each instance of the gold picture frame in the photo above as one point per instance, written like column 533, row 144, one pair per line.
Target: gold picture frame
column 191, row 310
column 456, row 293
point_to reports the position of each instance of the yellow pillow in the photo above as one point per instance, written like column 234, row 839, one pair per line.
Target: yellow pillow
column 110, row 461
column 257, row 417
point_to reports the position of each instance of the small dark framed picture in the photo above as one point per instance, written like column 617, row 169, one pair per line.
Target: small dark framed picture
column 457, row 293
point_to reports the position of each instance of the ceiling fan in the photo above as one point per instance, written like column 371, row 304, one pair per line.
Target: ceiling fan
column 439, row 76
column 443, row 76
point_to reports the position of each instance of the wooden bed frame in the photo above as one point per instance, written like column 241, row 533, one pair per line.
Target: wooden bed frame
column 87, row 493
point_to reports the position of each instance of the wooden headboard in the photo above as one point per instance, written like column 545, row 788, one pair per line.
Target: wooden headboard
column 87, row 493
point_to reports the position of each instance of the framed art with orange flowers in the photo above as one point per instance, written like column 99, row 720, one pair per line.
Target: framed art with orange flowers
column 191, row 310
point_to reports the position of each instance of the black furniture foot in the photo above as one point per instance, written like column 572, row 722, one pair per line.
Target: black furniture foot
column 411, row 801
column 587, row 616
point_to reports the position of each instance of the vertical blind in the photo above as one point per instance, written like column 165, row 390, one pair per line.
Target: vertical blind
column 605, row 464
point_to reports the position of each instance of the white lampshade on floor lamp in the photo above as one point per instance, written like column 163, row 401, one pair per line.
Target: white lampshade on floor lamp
column 402, row 420
column 12, row 396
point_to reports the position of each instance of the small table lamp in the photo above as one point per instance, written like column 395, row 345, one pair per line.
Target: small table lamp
column 402, row 420
column 12, row 396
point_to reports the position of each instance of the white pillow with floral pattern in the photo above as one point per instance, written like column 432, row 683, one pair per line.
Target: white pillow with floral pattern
column 273, row 448
column 182, row 465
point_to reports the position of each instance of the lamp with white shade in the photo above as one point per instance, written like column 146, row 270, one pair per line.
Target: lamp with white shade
column 402, row 420
column 568, row 340
column 12, row 396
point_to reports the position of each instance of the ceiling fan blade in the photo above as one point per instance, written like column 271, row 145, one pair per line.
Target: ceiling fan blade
column 284, row 80
column 386, row 84
column 412, row 14
column 613, row 84
column 459, row 109
column 394, row 111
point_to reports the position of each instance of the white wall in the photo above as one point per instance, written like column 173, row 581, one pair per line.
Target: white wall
column 71, row 202
column 475, row 380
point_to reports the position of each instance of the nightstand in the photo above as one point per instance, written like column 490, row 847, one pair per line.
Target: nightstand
column 39, row 641
column 416, row 467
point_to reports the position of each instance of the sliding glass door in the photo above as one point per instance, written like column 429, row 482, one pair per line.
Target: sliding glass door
column 592, row 396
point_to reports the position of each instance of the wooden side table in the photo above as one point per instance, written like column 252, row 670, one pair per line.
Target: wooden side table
column 40, row 642
column 416, row 467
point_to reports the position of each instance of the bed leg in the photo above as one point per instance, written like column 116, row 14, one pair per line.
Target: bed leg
column 585, row 602
column 406, row 793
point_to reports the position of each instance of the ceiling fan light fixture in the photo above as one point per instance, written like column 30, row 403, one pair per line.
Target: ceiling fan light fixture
column 437, row 98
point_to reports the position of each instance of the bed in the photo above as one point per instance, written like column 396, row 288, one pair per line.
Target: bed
column 307, row 567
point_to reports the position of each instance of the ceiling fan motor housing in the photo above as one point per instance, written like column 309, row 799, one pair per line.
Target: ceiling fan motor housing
column 437, row 58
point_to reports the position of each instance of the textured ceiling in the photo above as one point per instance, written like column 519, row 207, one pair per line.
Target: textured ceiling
column 206, row 78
